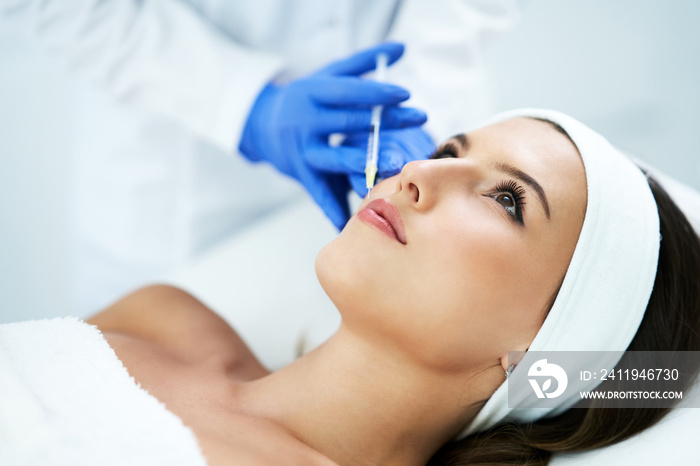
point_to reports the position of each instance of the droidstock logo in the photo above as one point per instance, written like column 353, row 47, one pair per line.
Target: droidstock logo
column 541, row 369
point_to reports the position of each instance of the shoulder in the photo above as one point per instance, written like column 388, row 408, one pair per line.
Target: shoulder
column 179, row 324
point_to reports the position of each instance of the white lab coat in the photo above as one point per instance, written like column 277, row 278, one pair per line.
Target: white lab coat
column 157, row 180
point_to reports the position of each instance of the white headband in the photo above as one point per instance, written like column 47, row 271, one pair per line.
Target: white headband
column 609, row 280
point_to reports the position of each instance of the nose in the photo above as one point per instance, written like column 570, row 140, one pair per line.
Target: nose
column 425, row 182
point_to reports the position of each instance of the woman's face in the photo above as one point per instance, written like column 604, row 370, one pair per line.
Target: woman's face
column 456, row 260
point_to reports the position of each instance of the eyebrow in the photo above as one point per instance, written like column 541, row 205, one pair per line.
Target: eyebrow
column 508, row 169
column 462, row 138
column 527, row 179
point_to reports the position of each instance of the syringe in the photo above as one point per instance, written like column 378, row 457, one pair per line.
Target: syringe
column 373, row 142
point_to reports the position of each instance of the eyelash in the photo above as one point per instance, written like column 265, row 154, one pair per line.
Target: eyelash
column 510, row 187
column 445, row 151
column 517, row 193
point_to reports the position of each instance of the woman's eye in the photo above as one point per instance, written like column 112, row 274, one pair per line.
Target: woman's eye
column 507, row 201
column 442, row 155
column 447, row 151
column 511, row 196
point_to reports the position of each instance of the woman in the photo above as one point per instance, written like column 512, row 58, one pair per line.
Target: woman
column 445, row 269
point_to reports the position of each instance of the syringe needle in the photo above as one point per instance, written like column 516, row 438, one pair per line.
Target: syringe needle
column 373, row 142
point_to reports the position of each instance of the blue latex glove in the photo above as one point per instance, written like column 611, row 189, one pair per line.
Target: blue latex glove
column 396, row 149
column 289, row 125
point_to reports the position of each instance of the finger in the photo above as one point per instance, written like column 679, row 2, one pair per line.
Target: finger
column 358, row 140
column 340, row 159
column 331, row 198
column 396, row 148
column 349, row 120
column 390, row 161
column 394, row 154
column 347, row 90
column 352, row 160
column 340, row 186
column 359, row 184
column 402, row 117
column 363, row 61
column 329, row 193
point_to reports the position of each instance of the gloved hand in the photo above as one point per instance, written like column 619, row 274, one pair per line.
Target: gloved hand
column 289, row 125
column 396, row 149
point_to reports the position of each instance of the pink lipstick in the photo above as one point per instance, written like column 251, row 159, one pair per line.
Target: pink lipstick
column 384, row 216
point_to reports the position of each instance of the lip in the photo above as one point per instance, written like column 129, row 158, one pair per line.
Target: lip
column 384, row 216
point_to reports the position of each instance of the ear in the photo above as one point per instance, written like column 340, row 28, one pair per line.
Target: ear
column 512, row 358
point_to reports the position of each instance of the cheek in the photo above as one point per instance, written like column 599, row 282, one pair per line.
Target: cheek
column 477, row 291
column 471, row 264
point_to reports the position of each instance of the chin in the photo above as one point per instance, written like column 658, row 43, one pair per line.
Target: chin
column 339, row 269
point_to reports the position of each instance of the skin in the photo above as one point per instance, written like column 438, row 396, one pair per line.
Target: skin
column 465, row 262
column 426, row 326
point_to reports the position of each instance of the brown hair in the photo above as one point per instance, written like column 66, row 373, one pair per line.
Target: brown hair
column 671, row 323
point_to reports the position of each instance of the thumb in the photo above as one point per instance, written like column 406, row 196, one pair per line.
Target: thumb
column 363, row 61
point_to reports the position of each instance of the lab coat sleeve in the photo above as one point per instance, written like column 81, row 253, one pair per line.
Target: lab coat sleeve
column 444, row 65
column 159, row 54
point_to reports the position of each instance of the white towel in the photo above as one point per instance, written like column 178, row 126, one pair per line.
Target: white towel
column 66, row 399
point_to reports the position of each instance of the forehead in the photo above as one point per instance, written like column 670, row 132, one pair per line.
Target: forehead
column 542, row 151
column 526, row 137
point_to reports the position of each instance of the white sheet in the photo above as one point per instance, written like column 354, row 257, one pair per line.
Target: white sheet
column 66, row 400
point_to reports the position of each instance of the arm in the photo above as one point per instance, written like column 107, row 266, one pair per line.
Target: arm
column 174, row 321
column 155, row 53
column 444, row 65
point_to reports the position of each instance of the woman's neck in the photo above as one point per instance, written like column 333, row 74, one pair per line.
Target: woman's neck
column 358, row 403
